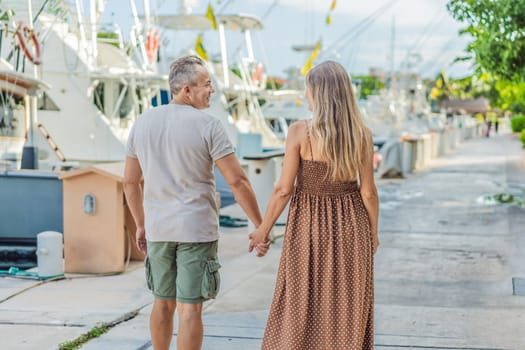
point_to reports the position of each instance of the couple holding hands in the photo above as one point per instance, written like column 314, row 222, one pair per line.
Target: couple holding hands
column 324, row 293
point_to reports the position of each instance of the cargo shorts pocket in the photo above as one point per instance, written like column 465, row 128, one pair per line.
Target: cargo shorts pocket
column 149, row 276
column 211, row 280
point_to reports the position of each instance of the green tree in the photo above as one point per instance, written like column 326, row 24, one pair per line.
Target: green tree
column 368, row 85
column 511, row 96
column 498, row 31
column 503, row 94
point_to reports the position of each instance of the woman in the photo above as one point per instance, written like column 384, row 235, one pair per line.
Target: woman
column 324, row 291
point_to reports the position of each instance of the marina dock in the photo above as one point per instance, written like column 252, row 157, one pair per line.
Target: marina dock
column 449, row 273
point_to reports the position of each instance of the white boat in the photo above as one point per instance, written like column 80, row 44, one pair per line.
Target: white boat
column 95, row 89
column 282, row 108
column 236, row 99
column 408, row 133
column 16, row 91
column 239, row 83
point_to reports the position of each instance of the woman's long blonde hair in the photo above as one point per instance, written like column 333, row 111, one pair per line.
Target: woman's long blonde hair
column 338, row 127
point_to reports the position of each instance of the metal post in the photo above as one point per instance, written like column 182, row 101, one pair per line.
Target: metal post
column 147, row 14
column 83, row 40
column 30, row 151
column 249, row 46
column 140, row 38
column 93, row 20
column 224, row 56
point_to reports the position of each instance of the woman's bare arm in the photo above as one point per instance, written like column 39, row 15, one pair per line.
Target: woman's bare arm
column 369, row 194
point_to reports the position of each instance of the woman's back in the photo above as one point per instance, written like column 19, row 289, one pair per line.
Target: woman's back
column 325, row 278
column 312, row 179
column 327, row 243
column 312, row 175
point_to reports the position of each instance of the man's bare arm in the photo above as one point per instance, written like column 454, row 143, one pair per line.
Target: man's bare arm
column 236, row 178
column 135, row 199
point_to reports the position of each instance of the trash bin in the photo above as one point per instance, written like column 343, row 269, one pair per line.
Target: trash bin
column 99, row 230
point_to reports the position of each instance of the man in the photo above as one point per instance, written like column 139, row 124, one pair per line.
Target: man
column 174, row 147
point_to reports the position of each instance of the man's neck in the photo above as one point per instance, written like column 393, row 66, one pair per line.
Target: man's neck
column 178, row 100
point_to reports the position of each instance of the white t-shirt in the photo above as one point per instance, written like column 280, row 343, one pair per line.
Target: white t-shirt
column 176, row 146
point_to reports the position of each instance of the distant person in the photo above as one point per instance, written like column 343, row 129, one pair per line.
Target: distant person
column 450, row 117
column 175, row 147
column 489, row 124
column 496, row 122
column 324, row 294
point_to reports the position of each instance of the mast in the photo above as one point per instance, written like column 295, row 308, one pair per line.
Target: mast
column 392, row 53
column 30, row 151
column 81, row 30
column 249, row 46
column 93, row 23
column 140, row 36
column 184, row 7
column 224, row 55
column 147, row 15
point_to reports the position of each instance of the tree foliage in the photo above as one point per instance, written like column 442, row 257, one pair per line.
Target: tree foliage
column 498, row 31
column 367, row 85
column 503, row 94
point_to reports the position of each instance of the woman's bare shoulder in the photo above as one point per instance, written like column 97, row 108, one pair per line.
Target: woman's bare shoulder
column 297, row 132
column 299, row 128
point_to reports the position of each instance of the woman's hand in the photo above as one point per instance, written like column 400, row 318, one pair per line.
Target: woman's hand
column 260, row 241
column 375, row 243
column 262, row 248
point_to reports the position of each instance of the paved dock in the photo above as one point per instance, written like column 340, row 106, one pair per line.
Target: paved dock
column 443, row 273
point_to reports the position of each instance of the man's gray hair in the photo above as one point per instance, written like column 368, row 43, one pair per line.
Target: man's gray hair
column 184, row 71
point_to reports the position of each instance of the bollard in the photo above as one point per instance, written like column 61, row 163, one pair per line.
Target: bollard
column 49, row 254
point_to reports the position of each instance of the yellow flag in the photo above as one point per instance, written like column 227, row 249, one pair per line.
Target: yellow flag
column 316, row 50
column 307, row 66
column 310, row 61
column 211, row 16
column 328, row 19
column 332, row 7
column 199, row 48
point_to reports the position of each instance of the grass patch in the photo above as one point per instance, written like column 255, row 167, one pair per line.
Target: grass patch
column 506, row 198
column 93, row 333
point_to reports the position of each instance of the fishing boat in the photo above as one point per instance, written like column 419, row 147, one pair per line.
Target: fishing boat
column 239, row 82
column 96, row 90
column 69, row 95
column 71, row 89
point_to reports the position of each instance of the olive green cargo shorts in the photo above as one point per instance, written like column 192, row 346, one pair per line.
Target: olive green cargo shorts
column 186, row 272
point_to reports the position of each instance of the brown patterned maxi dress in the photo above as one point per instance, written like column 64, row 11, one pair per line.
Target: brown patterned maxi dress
column 324, row 293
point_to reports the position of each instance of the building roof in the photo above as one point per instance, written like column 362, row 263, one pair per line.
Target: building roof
column 478, row 105
column 114, row 171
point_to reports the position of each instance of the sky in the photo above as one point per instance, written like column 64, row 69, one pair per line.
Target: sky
column 420, row 32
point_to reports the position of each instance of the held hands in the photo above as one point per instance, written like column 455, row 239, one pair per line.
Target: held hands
column 260, row 241
column 140, row 239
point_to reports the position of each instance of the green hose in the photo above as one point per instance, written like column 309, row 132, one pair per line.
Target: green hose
column 15, row 271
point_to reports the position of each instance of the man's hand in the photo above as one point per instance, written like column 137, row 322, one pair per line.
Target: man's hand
column 140, row 239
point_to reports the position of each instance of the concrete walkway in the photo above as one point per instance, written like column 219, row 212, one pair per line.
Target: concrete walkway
column 443, row 272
